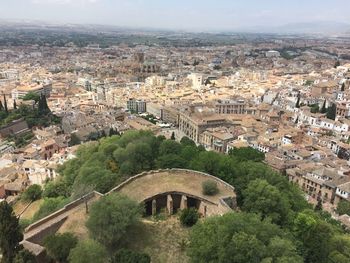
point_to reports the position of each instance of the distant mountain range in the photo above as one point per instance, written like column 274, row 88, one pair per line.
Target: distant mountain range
column 314, row 28
column 322, row 28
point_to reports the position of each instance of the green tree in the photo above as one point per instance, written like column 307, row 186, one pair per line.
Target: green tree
column 340, row 249
column 130, row 256
column 324, row 109
column 209, row 187
column 49, row 206
column 331, row 112
column 74, row 140
column 14, row 105
column 43, row 108
column 58, row 246
column 10, row 233
column 297, row 104
column 88, row 251
column 185, row 141
column 32, row 193
column 314, row 108
column 1, row 106
column 56, row 188
column 261, row 197
column 189, row 216
column 206, row 162
column 5, row 104
column 227, row 238
column 282, row 250
column 296, row 120
column 110, row 219
column 247, row 154
column 95, row 173
column 173, row 136
column 139, row 156
column 336, row 64
column 169, row 147
column 318, row 206
column 343, row 87
column 113, row 132
column 188, row 153
column 32, row 96
column 315, row 235
column 343, row 207
column 243, row 247
column 24, row 223
column 24, row 256
column 170, row 161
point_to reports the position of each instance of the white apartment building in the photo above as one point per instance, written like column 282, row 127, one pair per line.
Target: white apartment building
column 197, row 80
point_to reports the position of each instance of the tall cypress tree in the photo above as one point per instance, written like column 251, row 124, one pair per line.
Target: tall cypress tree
column 296, row 120
column 14, row 105
column 10, row 233
column 324, row 109
column 45, row 108
column 332, row 112
column 40, row 105
column 343, row 87
column 297, row 105
column 1, row 106
column 5, row 104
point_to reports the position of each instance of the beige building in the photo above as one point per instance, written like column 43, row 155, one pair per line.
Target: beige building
column 216, row 139
column 170, row 115
column 319, row 182
column 230, row 106
column 40, row 89
column 194, row 124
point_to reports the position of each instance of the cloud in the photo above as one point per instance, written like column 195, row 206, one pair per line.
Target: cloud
column 64, row 2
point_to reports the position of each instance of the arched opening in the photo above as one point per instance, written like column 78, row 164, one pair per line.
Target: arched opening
column 161, row 202
column 193, row 202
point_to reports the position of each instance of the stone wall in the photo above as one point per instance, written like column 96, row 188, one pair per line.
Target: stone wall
column 171, row 171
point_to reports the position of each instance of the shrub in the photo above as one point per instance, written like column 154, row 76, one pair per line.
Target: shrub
column 32, row 193
column 56, row 189
column 189, row 217
column 209, row 188
column 24, row 256
column 59, row 246
column 49, row 206
column 343, row 207
column 24, row 223
column 129, row 256
column 88, row 251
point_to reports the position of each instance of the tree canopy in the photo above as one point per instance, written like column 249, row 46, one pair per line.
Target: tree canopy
column 240, row 237
column 10, row 233
column 24, row 256
column 110, row 219
column 88, row 251
column 276, row 223
column 343, row 207
column 331, row 112
column 58, row 246
column 247, row 154
column 32, row 193
column 129, row 256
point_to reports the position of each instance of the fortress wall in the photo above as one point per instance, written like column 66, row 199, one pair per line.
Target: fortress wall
column 62, row 211
column 172, row 171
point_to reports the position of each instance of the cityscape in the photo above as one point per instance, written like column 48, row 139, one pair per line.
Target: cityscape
column 137, row 137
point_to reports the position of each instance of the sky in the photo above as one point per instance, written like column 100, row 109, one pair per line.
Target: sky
column 178, row 14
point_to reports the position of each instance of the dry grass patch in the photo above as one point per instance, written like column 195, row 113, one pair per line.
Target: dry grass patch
column 164, row 241
column 30, row 211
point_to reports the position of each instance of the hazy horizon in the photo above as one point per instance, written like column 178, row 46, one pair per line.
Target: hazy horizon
column 183, row 15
